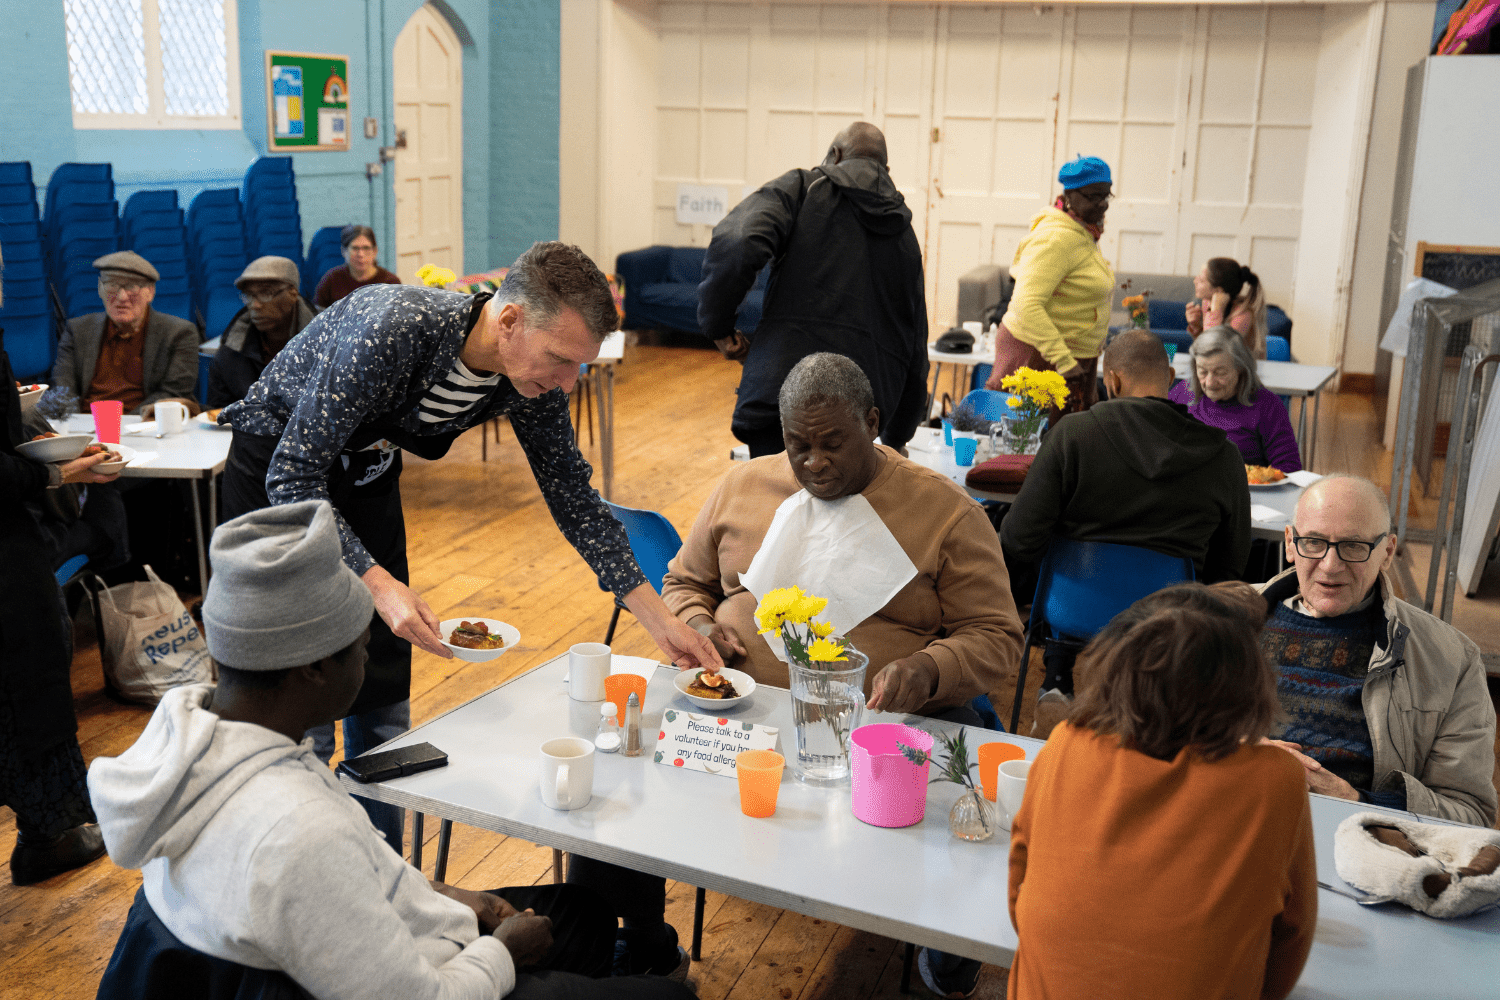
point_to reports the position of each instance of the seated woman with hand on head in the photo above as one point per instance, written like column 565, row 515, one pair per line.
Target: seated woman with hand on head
column 1231, row 295
column 1223, row 390
column 1160, row 850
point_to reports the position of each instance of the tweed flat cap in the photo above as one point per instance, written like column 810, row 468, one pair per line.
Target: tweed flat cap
column 269, row 269
column 128, row 262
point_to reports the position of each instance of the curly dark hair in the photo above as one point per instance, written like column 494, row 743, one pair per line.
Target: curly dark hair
column 1181, row 668
column 552, row 276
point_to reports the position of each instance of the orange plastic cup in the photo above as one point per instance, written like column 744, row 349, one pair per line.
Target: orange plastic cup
column 617, row 688
column 759, row 773
column 107, row 414
column 991, row 756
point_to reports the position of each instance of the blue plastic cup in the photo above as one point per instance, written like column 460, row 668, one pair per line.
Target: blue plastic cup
column 1171, row 352
column 963, row 450
column 948, row 433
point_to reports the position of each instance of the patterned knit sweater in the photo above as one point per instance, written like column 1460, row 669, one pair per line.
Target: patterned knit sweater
column 1322, row 663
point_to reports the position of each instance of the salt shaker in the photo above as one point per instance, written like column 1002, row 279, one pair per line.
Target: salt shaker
column 633, row 726
column 608, row 738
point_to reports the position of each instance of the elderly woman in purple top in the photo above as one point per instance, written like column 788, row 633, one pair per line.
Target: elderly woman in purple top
column 1224, row 391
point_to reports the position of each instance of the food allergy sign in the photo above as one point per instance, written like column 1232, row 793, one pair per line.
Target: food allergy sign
column 708, row 743
column 307, row 101
column 701, row 205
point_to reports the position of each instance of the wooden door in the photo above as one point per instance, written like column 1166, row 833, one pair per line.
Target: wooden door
column 428, row 80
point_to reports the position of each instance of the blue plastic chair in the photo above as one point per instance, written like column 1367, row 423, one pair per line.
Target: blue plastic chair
column 20, row 243
column 17, row 194
column 654, row 542
column 991, row 404
column 1164, row 315
column 24, row 270
column 77, row 194
column 19, row 212
column 23, row 305
column 223, row 304
column 1082, row 585
column 69, row 570
column 16, row 172
column 31, row 344
column 179, row 305
column 1278, row 349
column 981, row 376
column 150, row 201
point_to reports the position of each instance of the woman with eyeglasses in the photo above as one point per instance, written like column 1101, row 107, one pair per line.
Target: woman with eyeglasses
column 358, row 270
column 1059, row 310
column 1224, row 390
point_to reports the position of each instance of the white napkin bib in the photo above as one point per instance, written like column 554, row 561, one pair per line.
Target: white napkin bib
column 838, row 549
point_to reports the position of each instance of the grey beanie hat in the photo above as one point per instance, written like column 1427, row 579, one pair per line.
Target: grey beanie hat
column 281, row 595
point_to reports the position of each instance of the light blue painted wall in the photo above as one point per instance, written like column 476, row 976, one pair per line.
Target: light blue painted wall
column 510, row 116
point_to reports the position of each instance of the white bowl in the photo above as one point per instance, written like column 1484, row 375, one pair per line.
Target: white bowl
column 63, row 448
column 28, row 399
column 743, row 683
column 507, row 632
column 127, row 454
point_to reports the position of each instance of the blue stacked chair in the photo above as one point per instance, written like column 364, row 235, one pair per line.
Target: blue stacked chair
column 154, row 228
column 323, row 255
column 26, row 313
column 216, row 243
column 80, row 223
column 273, row 223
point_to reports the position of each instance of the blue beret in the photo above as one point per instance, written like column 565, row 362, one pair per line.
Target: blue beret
column 1082, row 172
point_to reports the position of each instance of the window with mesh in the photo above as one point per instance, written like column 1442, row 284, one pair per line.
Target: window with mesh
column 195, row 73
column 106, row 56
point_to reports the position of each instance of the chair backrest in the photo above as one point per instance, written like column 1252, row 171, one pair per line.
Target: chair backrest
column 1278, row 323
column 1277, row 349
column 990, row 404
column 1082, row 585
column 17, row 194
column 32, row 347
column 70, row 569
column 20, row 211
column 1166, row 315
column 15, row 172
column 150, row 201
column 652, row 538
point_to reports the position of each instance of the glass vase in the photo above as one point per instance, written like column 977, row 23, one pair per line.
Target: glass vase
column 828, row 701
column 972, row 817
column 1021, row 437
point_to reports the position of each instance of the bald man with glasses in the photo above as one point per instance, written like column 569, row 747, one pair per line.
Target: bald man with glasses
column 129, row 352
column 1384, row 703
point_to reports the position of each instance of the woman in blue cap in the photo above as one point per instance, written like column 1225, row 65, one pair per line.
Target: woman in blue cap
column 1059, row 311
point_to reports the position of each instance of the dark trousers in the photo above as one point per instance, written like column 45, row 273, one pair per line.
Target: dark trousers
column 641, row 900
column 762, row 440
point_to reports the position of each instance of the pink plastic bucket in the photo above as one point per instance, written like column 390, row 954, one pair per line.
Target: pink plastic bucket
column 888, row 789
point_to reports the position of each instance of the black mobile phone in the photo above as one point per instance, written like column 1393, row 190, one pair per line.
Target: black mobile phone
column 389, row 764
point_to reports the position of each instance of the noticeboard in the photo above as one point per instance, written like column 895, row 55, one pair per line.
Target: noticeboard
column 307, row 101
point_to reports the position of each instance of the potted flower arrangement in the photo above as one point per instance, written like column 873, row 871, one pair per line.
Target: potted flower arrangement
column 1140, row 313
column 1033, row 393
column 827, row 680
column 972, row 816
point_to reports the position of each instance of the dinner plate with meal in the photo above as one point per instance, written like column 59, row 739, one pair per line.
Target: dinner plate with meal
column 715, row 691
column 478, row 640
column 120, row 456
column 54, row 447
column 210, row 420
column 1264, row 476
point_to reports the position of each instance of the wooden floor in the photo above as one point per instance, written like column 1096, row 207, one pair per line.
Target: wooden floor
column 481, row 542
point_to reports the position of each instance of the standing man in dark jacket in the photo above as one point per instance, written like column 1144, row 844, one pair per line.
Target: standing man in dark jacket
column 1134, row 470
column 274, row 313
column 846, row 278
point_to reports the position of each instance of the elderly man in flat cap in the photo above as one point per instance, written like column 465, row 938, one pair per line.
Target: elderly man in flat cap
column 274, row 313
column 128, row 352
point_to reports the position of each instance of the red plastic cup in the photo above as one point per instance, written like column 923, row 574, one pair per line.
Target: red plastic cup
column 107, row 413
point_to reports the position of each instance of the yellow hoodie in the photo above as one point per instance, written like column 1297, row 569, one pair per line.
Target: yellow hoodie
column 1060, row 304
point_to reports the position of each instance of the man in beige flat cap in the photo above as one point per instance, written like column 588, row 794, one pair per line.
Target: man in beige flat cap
column 274, row 313
column 128, row 352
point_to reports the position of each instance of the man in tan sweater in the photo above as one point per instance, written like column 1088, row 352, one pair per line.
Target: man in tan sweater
column 949, row 631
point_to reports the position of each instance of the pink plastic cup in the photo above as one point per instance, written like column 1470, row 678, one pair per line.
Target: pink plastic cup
column 887, row 789
column 107, row 413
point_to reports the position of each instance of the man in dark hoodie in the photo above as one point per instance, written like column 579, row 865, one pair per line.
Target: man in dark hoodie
column 1134, row 470
column 846, row 278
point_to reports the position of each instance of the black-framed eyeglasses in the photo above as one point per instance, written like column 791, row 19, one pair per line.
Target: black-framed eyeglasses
column 1097, row 199
column 261, row 297
column 1351, row 550
column 110, row 287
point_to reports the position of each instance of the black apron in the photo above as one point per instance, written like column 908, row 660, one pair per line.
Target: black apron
column 366, row 489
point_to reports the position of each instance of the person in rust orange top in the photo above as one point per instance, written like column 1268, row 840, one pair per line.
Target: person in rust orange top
column 1161, row 851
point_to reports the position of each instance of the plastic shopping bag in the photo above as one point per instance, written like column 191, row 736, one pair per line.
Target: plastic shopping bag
column 151, row 642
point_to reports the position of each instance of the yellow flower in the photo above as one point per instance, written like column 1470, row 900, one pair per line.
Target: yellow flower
column 773, row 608
column 1014, row 402
column 822, row 629
column 435, row 277
column 825, row 651
column 805, row 607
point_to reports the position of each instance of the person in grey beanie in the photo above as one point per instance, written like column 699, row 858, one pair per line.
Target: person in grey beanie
column 250, row 852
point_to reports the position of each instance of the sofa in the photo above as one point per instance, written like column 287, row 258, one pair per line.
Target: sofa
column 661, row 289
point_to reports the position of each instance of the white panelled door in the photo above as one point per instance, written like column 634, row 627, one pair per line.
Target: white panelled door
column 428, row 78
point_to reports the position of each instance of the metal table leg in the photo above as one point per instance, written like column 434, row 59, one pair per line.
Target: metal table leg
column 557, row 867
column 193, row 486
column 699, row 900
column 1312, row 448
column 604, row 388
column 416, row 840
column 445, row 835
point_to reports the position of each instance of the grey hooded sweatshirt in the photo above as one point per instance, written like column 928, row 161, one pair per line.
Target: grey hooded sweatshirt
column 250, row 851
column 1138, row 471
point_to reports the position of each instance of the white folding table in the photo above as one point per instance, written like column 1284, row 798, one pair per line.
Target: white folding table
column 601, row 375
column 961, row 364
column 918, row 884
column 197, row 454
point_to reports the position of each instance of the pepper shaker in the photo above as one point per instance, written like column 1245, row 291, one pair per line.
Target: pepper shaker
column 633, row 746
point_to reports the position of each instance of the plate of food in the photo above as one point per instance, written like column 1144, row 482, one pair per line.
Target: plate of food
column 1263, row 476
column 54, row 447
column 699, row 687
column 478, row 639
column 30, row 393
column 122, row 457
column 210, row 419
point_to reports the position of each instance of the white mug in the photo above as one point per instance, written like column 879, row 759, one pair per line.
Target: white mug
column 1010, row 786
column 588, row 665
column 171, row 417
column 567, row 779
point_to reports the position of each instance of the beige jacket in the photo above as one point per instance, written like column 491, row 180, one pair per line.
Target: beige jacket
column 1428, row 708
